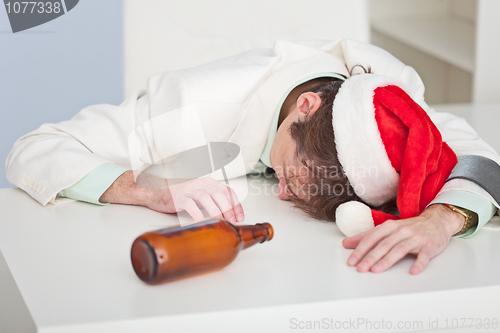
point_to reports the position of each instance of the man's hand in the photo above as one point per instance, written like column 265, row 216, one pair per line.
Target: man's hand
column 426, row 235
column 157, row 194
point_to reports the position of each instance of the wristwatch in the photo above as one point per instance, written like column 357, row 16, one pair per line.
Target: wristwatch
column 471, row 218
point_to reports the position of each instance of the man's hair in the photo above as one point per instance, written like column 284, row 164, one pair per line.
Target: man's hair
column 327, row 185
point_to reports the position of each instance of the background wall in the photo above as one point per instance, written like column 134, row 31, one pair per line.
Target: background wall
column 168, row 35
column 452, row 44
column 50, row 72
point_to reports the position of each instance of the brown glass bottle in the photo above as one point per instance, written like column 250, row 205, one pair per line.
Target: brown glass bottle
column 173, row 253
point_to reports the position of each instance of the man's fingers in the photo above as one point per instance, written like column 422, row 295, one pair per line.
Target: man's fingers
column 395, row 254
column 206, row 201
column 217, row 199
column 225, row 206
column 353, row 241
column 240, row 215
column 369, row 240
column 191, row 208
column 423, row 259
column 386, row 245
column 227, row 201
column 237, row 207
column 424, row 235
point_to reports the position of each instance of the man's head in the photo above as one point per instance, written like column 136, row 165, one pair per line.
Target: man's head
column 304, row 154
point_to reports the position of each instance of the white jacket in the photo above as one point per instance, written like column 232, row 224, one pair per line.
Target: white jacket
column 230, row 100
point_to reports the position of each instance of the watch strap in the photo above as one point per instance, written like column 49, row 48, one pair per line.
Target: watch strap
column 471, row 218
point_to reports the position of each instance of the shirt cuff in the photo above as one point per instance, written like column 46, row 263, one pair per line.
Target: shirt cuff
column 94, row 184
column 471, row 201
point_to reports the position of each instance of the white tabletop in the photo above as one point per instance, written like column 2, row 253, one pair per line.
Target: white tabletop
column 70, row 271
column 72, row 266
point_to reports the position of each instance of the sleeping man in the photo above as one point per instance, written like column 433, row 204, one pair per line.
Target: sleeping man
column 276, row 106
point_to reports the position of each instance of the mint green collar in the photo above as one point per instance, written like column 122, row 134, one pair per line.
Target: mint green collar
column 265, row 157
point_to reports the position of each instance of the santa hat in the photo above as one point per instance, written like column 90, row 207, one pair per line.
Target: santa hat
column 388, row 148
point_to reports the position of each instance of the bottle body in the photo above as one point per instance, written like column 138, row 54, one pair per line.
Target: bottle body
column 173, row 253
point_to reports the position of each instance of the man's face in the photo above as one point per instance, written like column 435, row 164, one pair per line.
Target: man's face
column 290, row 172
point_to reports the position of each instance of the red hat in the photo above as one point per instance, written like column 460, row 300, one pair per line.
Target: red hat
column 388, row 148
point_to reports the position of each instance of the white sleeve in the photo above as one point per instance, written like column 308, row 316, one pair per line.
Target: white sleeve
column 48, row 160
column 56, row 156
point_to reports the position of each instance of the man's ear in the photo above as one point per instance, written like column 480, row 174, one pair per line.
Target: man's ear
column 307, row 104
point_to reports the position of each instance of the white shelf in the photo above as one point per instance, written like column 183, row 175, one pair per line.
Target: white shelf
column 442, row 37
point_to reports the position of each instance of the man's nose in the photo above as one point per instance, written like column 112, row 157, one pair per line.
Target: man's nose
column 281, row 190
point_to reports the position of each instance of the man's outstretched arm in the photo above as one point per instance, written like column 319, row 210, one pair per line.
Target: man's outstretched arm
column 159, row 195
column 426, row 236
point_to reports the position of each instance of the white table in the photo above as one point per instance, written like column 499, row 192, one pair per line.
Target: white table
column 69, row 271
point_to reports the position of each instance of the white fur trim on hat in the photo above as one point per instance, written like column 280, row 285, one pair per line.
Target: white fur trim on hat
column 360, row 149
column 354, row 217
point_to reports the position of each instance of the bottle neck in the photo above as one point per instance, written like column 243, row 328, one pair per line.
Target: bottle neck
column 253, row 234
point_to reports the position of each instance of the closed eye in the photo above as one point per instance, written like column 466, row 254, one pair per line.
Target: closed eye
column 288, row 187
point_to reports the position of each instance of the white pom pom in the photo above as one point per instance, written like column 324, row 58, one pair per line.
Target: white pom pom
column 354, row 217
